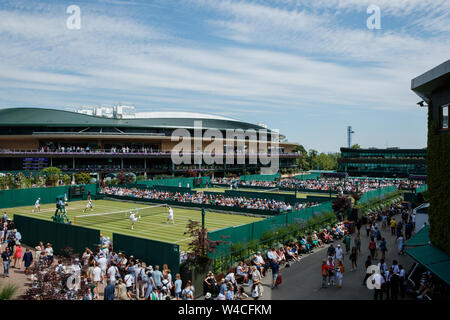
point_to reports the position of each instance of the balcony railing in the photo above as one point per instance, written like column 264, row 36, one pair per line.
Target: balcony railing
column 135, row 152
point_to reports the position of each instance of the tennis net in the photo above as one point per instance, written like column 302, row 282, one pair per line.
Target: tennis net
column 99, row 218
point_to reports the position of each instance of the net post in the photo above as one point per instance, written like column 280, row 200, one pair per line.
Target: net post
column 75, row 220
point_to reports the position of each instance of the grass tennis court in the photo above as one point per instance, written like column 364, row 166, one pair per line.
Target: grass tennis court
column 152, row 224
column 300, row 195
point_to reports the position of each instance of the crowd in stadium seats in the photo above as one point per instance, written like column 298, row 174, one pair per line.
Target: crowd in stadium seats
column 122, row 149
column 325, row 184
column 212, row 199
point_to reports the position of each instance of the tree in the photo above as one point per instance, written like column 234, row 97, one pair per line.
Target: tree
column 312, row 155
column 82, row 178
column 341, row 205
column 52, row 175
column 356, row 146
column 200, row 245
column 302, row 162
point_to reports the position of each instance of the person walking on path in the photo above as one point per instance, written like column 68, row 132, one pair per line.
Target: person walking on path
column 367, row 264
column 383, row 248
column 6, row 256
column 347, row 242
column 358, row 242
column 372, row 247
column 339, row 274
column 354, row 258
column 275, row 272
column 331, row 252
column 400, row 244
column 27, row 260
column 393, row 226
column 324, row 273
column 331, row 272
column 18, row 255
column 339, row 254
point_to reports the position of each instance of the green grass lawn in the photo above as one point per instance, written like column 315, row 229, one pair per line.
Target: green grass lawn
column 152, row 224
column 300, row 195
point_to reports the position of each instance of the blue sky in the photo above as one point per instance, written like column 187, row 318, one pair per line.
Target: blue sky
column 307, row 68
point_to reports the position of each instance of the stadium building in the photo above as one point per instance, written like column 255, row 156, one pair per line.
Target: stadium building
column 112, row 139
column 389, row 163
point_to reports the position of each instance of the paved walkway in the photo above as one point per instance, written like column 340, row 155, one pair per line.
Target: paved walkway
column 303, row 281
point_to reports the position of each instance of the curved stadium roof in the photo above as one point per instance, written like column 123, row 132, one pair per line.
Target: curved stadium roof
column 39, row 117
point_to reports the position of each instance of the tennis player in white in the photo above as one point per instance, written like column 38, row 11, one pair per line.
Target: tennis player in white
column 133, row 219
column 170, row 217
column 37, row 205
column 89, row 205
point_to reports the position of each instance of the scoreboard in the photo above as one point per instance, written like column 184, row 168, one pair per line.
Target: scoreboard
column 35, row 163
column 76, row 191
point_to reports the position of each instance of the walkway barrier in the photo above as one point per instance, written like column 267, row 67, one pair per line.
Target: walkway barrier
column 152, row 252
column 376, row 194
column 60, row 235
column 254, row 231
column 422, row 188
column 27, row 197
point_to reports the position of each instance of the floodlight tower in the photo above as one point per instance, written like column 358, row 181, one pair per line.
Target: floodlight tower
column 349, row 136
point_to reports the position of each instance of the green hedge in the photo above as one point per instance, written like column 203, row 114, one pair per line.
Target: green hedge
column 438, row 177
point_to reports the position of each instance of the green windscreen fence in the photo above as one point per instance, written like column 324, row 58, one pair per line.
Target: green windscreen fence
column 376, row 194
column 422, row 188
column 58, row 234
column 260, row 177
column 178, row 182
column 254, row 231
column 27, row 197
column 309, row 176
column 151, row 252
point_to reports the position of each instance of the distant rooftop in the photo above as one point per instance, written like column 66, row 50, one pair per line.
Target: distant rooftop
column 431, row 81
column 129, row 112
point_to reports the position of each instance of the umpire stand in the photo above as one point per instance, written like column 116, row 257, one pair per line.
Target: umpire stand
column 60, row 215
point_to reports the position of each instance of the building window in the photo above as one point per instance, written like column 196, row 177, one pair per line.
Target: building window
column 444, row 116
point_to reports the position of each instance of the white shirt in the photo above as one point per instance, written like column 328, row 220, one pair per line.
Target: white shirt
column 112, row 273
column 270, row 255
column 37, row 203
column 97, row 272
column 378, row 278
column 102, row 262
column 129, row 280
column 49, row 251
column 260, row 259
column 339, row 253
column 170, row 212
column 230, row 277
column 133, row 217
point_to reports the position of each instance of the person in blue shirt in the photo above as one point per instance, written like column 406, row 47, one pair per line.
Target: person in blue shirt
column 275, row 271
column 178, row 284
column 109, row 292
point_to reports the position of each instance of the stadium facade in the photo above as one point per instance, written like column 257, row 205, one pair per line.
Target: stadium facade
column 389, row 163
column 108, row 140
